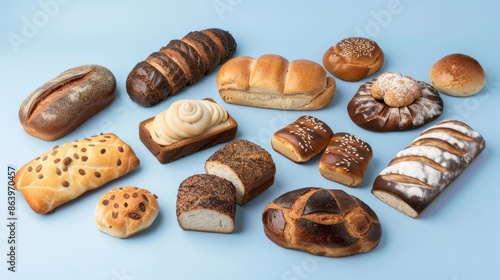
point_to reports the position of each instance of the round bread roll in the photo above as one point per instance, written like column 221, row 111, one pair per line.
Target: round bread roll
column 353, row 59
column 457, row 75
column 125, row 211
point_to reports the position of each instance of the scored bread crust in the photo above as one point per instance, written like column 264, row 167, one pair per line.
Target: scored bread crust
column 66, row 101
column 418, row 174
column 206, row 203
column 324, row 222
column 178, row 64
column 271, row 81
column 126, row 211
column 249, row 167
column 65, row 172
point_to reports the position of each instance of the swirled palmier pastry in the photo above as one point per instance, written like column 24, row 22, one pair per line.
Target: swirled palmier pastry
column 393, row 102
column 186, row 127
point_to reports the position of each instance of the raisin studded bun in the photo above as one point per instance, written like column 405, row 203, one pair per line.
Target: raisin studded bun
column 353, row 59
column 393, row 102
column 126, row 211
column 457, row 75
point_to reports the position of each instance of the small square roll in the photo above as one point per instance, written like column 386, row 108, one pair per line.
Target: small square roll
column 206, row 203
column 303, row 139
column 345, row 159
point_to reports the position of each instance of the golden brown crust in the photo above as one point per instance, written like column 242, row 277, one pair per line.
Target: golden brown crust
column 303, row 139
column 353, row 59
column 126, row 211
column 323, row 222
column 67, row 171
column 271, row 81
column 345, row 159
column 66, row 101
column 457, row 75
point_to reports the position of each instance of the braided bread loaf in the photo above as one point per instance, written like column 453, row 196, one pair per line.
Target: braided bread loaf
column 179, row 64
column 417, row 175
column 324, row 222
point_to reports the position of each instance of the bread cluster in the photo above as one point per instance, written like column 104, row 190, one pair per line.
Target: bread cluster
column 326, row 222
column 235, row 174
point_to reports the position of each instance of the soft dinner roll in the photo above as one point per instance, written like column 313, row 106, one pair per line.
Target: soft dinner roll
column 457, row 75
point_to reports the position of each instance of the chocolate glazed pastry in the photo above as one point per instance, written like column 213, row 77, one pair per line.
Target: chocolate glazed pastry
column 375, row 114
column 178, row 64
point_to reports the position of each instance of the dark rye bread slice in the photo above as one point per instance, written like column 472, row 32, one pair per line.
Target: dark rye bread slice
column 187, row 58
column 206, row 203
column 195, row 55
column 248, row 166
column 203, row 44
column 172, row 73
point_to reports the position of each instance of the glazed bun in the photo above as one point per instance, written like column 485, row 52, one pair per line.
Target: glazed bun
column 457, row 75
column 353, row 59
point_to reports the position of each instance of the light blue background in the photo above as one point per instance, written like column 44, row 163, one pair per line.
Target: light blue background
column 456, row 238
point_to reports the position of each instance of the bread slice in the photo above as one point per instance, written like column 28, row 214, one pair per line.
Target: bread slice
column 249, row 167
column 206, row 203
column 220, row 133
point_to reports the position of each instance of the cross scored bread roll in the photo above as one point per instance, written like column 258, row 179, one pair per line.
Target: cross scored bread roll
column 126, row 211
column 67, row 171
column 418, row 174
column 323, row 222
column 303, row 139
column 271, row 81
